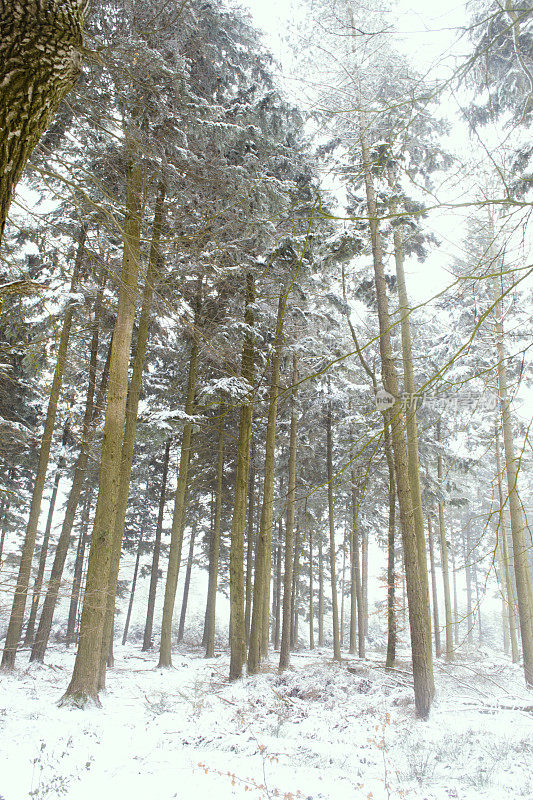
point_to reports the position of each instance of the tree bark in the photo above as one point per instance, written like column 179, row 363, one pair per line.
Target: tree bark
column 86, row 674
column 154, row 573
column 128, row 442
column 331, row 519
column 436, row 626
column 133, row 587
column 215, row 543
column 186, row 586
column 237, row 628
column 444, row 562
column 311, row 604
column 250, row 545
column 284, row 654
column 21, row 588
column 178, row 518
column 320, row 592
column 38, row 585
column 40, row 61
column 521, row 565
column 420, row 646
column 91, row 416
column 264, row 542
column 78, row 568
column 391, row 554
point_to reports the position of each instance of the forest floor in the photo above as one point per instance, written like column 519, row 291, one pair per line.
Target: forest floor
column 320, row 731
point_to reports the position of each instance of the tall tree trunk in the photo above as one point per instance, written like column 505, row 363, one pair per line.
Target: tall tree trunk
column 331, row 518
column 521, row 566
column 320, row 592
column 435, row 603
column 276, row 611
column 215, row 543
column 311, row 607
column 356, row 571
column 90, row 419
column 444, row 561
column 468, row 575
column 86, row 675
column 343, row 579
column 128, row 441
column 420, row 643
column 411, row 429
column 250, row 545
column 78, row 567
column 38, row 585
column 133, row 587
column 295, row 599
column 284, row 654
column 264, row 542
column 455, row 605
column 391, row 554
column 178, row 518
column 364, row 582
column 21, row 588
column 40, row 61
column 237, row 629
column 154, row 572
column 186, row 586
column 502, row 538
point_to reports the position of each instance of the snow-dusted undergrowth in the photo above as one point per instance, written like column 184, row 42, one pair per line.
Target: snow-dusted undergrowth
column 320, row 730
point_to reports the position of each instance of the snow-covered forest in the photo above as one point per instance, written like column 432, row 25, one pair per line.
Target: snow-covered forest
column 266, row 496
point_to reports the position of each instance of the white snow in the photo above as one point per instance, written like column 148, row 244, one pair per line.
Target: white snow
column 319, row 731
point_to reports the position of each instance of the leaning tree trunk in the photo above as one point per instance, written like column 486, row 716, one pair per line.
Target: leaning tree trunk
column 210, row 612
column 128, row 443
column 91, row 416
column 21, row 588
column 236, row 567
column 86, row 674
column 149, row 624
column 40, row 61
column 331, row 518
column 420, row 643
column 521, row 565
column 289, row 526
column 38, row 585
column 186, row 586
column 264, row 542
column 133, row 587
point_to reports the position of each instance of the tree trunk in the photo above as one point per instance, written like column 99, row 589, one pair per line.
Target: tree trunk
column 420, row 644
column 521, row 565
column 468, row 576
column 504, row 549
column 311, row 609
column 133, row 587
column 411, row 423
column 128, row 441
column 186, row 586
column 284, row 654
column 455, row 606
column 276, row 636
column 78, row 567
column 444, row 562
column 295, row 599
column 343, row 579
column 261, row 597
column 90, row 419
column 215, row 543
column 149, row 624
column 40, row 61
column 331, row 518
column 391, row 554
column 85, row 678
column 21, row 589
column 237, row 629
column 178, row 518
column 38, row 585
column 356, row 573
column 320, row 592
column 250, row 545
column 436, row 626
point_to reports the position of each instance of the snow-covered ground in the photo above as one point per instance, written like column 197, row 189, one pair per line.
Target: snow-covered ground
column 320, row 730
